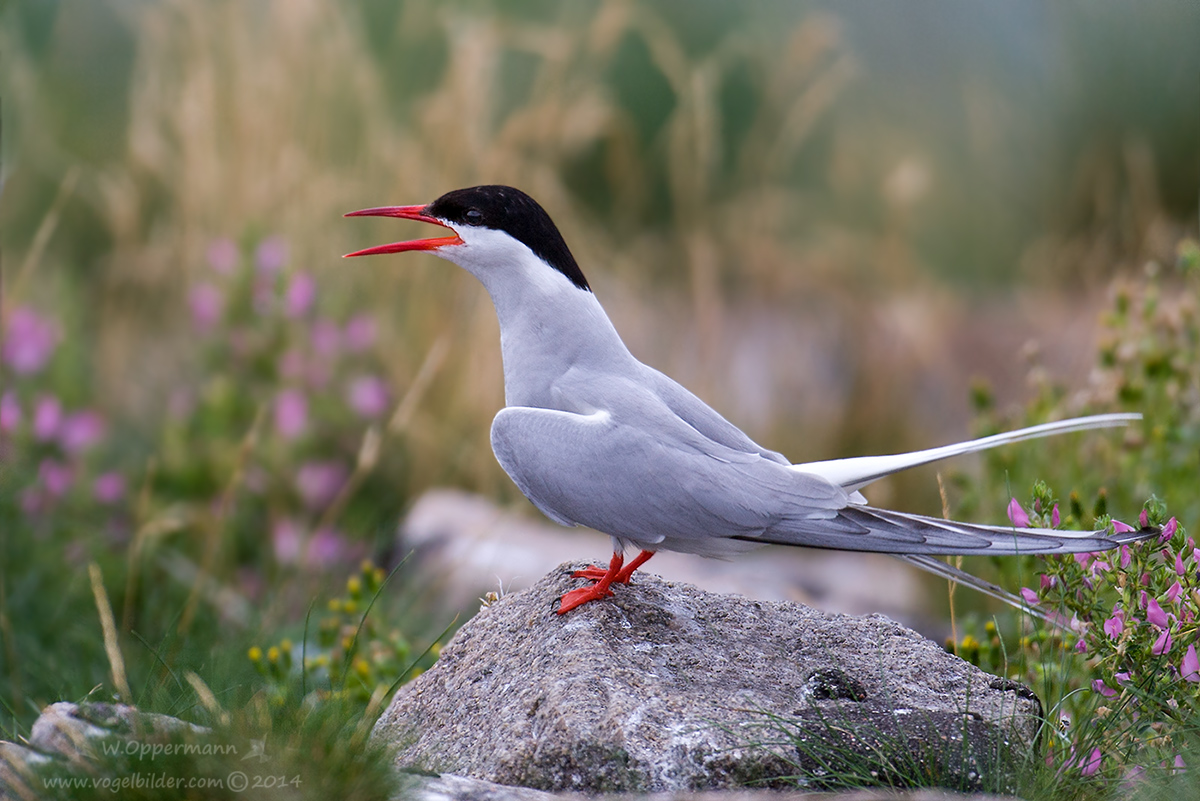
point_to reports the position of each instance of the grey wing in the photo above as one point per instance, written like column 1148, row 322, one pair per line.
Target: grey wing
column 674, row 489
column 702, row 417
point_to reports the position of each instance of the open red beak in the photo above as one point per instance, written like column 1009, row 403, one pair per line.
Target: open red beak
column 404, row 213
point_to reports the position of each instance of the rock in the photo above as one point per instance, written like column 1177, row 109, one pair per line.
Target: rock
column 665, row 687
column 67, row 733
column 466, row 545
column 16, row 770
column 66, row 729
column 449, row 787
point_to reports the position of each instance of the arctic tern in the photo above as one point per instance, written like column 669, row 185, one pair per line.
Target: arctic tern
column 595, row 438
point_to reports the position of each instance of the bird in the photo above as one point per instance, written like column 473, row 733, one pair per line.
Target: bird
column 593, row 437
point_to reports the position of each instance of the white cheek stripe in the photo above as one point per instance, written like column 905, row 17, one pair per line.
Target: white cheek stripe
column 486, row 252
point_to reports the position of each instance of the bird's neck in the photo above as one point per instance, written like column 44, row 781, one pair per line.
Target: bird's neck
column 548, row 329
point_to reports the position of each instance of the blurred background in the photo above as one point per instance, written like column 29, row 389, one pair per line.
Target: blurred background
column 830, row 220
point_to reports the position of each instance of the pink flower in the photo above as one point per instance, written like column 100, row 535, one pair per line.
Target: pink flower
column 206, row 303
column 1082, row 559
column 55, row 477
column 1144, row 519
column 1173, row 592
column 1155, row 614
column 1179, row 763
column 1121, row 528
column 318, row 482
column 10, row 412
column 1029, row 595
column 291, row 413
column 1017, row 515
column 1114, row 626
column 1163, row 644
column 1090, row 764
column 1133, row 777
column 1126, row 556
column 1099, row 686
column 1169, row 530
column 359, row 333
column 368, row 396
column 325, row 546
column 222, row 256
column 81, row 431
column 1055, row 517
column 325, row 338
column 29, row 341
column 1189, row 669
column 47, row 416
column 286, row 536
column 1121, row 677
column 271, row 255
column 1048, row 582
column 108, row 488
column 301, row 293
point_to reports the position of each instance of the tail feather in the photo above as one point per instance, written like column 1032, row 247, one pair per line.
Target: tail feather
column 857, row 472
column 917, row 539
column 865, row 528
column 951, row 573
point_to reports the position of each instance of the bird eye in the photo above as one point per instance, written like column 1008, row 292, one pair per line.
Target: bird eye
column 474, row 216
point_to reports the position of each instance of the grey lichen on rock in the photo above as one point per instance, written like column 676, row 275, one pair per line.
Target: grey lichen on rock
column 667, row 687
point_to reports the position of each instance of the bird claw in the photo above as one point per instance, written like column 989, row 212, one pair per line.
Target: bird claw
column 595, row 573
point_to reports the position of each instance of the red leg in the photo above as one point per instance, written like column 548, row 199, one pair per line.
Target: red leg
column 598, row 573
column 604, row 579
column 627, row 571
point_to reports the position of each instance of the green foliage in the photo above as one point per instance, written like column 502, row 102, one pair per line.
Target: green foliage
column 265, row 478
column 1120, row 676
column 259, row 750
column 352, row 657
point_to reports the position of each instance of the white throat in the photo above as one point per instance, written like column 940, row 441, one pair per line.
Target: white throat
column 548, row 325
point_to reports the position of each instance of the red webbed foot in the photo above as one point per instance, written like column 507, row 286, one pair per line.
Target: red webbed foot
column 582, row 596
column 617, row 573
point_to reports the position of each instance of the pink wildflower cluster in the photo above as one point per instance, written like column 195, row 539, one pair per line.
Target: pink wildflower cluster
column 315, row 351
column 1129, row 608
column 312, row 373
column 63, row 439
column 29, row 341
column 60, row 438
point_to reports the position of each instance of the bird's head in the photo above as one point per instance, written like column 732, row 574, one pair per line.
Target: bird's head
column 491, row 226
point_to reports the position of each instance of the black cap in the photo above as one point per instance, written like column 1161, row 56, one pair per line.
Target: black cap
column 503, row 208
